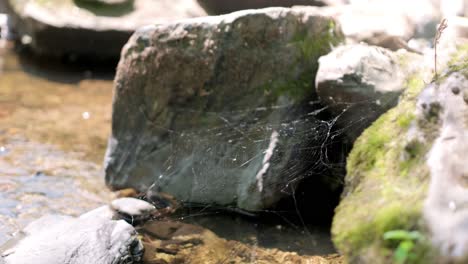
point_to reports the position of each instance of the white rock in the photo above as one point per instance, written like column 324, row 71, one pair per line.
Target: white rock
column 56, row 239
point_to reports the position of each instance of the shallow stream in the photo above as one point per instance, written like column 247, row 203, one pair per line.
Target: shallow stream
column 54, row 122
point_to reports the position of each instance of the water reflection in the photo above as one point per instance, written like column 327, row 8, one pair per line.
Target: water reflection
column 51, row 102
column 49, row 154
column 36, row 179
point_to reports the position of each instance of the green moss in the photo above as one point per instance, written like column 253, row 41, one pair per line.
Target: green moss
column 459, row 60
column 413, row 155
column 389, row 185
column 364, row 156
column 404, row 121
column 311, row 45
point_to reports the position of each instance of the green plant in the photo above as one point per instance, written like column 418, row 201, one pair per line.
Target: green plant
column 407, row 241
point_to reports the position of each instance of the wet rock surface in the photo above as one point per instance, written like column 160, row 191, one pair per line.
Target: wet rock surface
column 47, row 165
column 214, row 110
column 95, row 30
column 38, row 178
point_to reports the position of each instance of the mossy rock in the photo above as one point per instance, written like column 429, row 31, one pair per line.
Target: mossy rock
column 387, row 180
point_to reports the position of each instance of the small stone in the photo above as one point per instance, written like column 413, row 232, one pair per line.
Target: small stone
column 132, row 210
column 455, row 90
column 132, row 206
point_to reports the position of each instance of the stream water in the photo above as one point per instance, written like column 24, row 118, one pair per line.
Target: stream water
column 54, row 124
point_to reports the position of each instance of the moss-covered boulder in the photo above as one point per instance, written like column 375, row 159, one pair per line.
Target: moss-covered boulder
column 95, row 29
column 218, row 110
column 380, row 218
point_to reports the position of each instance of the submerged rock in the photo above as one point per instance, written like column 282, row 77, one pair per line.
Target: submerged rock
column 405, row 188
column 95, row 30
column 360, row 82
column 220, row 109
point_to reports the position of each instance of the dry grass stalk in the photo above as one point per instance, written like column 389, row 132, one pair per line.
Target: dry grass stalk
column 442, row 26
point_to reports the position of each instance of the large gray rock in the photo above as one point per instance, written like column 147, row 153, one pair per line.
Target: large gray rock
column 360, row 82
column 217, row 109
column 103, row 235
column 84, row 28
column 217, row 7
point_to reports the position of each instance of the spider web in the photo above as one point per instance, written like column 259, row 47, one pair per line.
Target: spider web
column 318, row 141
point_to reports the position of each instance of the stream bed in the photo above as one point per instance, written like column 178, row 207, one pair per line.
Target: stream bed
column 54, row 122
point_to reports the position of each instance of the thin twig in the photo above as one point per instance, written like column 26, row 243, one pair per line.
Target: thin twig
column 442, row 26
